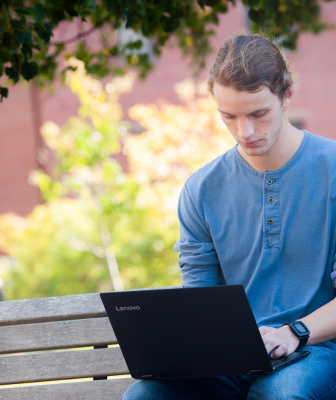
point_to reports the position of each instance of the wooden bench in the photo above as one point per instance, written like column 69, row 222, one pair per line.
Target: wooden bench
column 44, row 341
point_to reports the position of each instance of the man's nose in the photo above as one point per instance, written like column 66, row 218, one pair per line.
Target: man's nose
column 245, row 128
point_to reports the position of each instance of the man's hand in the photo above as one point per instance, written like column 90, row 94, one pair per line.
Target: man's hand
column 281, row 341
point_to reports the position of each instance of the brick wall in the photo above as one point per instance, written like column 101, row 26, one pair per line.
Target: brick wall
column 18, row 152
column 315, row 63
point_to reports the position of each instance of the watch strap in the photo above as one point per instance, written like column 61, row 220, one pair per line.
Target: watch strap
column 303, row 336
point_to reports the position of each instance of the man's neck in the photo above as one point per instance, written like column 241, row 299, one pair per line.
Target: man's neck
column 282, row 151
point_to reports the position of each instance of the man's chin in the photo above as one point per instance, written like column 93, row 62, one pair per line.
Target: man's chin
column 251, row 152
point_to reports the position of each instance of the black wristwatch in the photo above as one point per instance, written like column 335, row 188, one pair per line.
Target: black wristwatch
column 300, row 330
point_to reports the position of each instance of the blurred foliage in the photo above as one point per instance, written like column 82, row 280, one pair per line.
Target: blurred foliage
column 99, row 222
column 45, row 264
column 26, row 29
column 178, row 140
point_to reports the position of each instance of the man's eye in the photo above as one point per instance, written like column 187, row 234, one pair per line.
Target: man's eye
column 259, row 115
column 228, row 116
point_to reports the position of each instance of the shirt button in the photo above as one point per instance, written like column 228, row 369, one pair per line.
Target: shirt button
column 270, row 200
column 270, row 221
column 270, row 181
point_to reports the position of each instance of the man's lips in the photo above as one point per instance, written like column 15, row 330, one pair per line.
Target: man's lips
column 250, row 144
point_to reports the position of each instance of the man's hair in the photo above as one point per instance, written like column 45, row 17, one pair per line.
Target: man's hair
column 249, row 61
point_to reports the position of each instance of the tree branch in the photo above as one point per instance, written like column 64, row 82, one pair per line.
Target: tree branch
column 75, row 38
column 111, row 259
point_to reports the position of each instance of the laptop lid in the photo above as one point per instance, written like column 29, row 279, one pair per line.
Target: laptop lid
column 187, row 332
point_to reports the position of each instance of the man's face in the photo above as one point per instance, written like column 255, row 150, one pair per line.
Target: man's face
column 255, row 120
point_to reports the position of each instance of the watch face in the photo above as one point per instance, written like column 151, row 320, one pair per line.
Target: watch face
column 300, row 328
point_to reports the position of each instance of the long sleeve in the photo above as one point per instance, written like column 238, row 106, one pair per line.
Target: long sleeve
column 198, row 258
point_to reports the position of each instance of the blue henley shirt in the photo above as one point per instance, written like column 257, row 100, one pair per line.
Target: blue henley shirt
column 273, row 232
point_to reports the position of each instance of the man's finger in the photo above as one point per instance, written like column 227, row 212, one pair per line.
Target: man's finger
column 271, row 343
column 279, row 351
column 265, row 329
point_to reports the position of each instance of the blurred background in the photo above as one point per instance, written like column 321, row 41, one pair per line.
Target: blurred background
column 92, row 163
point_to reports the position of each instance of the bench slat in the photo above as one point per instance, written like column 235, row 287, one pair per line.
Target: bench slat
column 56, row 335
column 62, row 365
column 94, row 390
column 51, row 309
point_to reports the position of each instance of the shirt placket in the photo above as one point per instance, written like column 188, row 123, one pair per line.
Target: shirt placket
column 271, row 215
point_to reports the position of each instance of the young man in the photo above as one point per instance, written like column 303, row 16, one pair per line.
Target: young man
column 263, row 215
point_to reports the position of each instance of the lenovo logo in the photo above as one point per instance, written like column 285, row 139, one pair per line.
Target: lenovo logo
column 130, row 308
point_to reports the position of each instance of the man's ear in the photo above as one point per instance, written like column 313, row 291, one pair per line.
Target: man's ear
column 288, row 97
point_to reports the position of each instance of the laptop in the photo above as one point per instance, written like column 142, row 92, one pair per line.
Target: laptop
column 199, row 332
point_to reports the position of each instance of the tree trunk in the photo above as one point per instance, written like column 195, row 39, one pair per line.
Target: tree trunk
column 111, row 260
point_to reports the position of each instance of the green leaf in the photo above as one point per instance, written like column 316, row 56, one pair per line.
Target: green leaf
column 44, row 31
column 212, row 3
column 114, row 51
column 3, row 93
column 91, row 4
column 3, row 24
column 1, row 67
column 71, row 68
column 256, row 16
column 22, row 11
column 290, row 42
column 17, row 23
column 156, row 51
column 23, row 36
column 201, row 3
column 252, row 3
column 70, row 9
column 60, row 47
column 12, row 44
column 113, row 7
column 169, row 25
column 29, row 70
column 27, row 52
column 134, row 45
column 37, row 12
column 16, row 61
column 270, row 6
column 129, row 14
column 12, row 74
